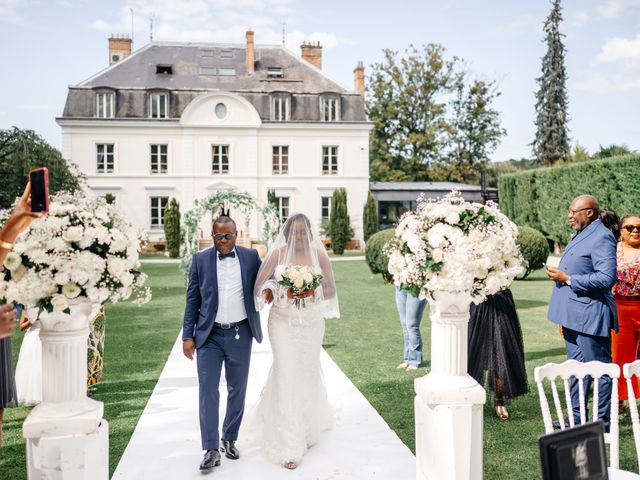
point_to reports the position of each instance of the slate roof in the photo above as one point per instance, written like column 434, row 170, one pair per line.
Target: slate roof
column 133, row 77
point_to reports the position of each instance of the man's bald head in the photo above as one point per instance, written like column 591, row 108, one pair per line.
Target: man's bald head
column 584, row 209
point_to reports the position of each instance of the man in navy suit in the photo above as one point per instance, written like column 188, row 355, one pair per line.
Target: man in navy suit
column 582, row 301
column 220, row 323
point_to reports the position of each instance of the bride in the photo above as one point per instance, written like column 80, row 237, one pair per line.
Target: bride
column 294, row 408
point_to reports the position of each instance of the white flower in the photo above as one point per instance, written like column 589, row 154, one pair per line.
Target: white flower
column 298, row 282
column 307, row 277
column 71, row 290
column 59, row 302
column 18, row 273
column 437, row 254
column 279, row 272
column 12, row 261
column 73, row 234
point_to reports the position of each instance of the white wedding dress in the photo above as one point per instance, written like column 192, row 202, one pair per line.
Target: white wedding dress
column 29, row 367
column 293, row 409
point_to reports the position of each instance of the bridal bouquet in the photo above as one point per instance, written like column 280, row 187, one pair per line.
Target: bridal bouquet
column 455, row 246
column 84, row 249
column 298, row 278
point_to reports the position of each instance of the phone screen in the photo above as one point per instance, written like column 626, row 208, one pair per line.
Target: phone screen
column 38, row 191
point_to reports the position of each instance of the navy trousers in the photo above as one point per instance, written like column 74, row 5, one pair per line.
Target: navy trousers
column 585, row 348
column 222, row 347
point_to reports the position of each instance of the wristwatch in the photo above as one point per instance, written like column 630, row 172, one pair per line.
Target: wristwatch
column 568, row 282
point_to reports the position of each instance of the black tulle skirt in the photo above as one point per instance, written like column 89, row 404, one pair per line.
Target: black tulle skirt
column 8, row 394
column 495, row 347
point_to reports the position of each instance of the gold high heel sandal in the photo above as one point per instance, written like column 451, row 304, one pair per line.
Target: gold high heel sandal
column 291, row 465
column 502, row 412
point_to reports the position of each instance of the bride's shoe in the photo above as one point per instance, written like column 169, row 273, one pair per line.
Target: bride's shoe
column 403, row 365
column 502, row 412
column 291, row 465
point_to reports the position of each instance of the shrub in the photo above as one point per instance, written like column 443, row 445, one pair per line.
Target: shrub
column 172, row 228
column 339, row 228
column 375, row 255
column 370, row 217
column 534, row 248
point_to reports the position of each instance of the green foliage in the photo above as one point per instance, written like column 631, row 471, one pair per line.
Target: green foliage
column 612, row 151
column 551, row 142
column 493, row 170
column 534, row 248
column 540, row 198
column 375, row 255
column 578, row 154
column 370, row 217
column 172, row 228
column 23, row 150
column 339, row 225
column 430, row 122
column 109, row 198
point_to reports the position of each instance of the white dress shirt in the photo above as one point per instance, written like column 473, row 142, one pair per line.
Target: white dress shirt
column 230, row 296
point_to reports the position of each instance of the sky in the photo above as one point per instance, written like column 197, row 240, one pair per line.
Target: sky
column 47, row 45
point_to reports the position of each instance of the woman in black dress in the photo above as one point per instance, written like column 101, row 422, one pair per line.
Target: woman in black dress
column 496, row 347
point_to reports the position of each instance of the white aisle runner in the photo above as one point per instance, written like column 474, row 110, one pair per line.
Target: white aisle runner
column 166, row 441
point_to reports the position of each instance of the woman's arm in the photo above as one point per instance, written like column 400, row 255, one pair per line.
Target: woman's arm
column 21, row 217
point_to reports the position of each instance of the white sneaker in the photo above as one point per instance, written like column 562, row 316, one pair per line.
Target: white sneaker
column 403, row 365
column 411, row 368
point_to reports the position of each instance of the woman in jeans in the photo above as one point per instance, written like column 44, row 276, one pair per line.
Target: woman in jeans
column 410, row 310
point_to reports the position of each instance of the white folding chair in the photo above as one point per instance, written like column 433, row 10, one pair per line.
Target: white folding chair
column 629, row 370
column 579, row 370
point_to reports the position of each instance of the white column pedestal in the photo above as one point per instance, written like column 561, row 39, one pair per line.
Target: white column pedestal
column 449, row 403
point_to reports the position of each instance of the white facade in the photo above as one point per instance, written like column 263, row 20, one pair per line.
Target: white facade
column 249, row 143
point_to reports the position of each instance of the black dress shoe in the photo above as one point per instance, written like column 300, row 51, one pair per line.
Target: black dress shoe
column 556, row 424
column 228, row 447
column 211, row 459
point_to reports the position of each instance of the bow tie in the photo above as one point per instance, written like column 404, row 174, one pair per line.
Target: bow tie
column 222, row 256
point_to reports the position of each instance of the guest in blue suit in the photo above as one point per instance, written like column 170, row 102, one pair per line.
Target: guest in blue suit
column 582, row 301
column 220, row 323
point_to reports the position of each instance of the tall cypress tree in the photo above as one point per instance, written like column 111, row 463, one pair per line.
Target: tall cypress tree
column 340, row 230
column 172, row 228
column 370, row 217
column 552, row 135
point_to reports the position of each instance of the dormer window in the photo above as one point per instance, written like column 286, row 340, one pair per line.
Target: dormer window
column 280, row 108
column 164, row 69
column 105, row 105
column 329, row 109
column 226, row 53
column 159, row 105
column 275, row 72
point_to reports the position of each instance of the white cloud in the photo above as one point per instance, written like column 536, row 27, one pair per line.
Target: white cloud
column 605, row 83
column 522, row 24
column 618, row 49
column 12, row 11
column 613, row 8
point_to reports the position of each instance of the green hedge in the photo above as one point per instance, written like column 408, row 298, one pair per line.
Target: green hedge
column 534, row 248
column 540, row 198
column 374, row 255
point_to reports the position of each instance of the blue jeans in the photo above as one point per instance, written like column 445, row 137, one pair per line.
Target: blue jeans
column 410, row 309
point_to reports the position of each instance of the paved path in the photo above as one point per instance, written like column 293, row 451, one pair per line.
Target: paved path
column 173, row 260
column 166, row 441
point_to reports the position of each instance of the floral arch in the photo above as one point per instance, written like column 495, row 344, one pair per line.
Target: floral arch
column 242, row 201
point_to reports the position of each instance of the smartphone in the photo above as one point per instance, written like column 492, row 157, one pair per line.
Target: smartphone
column 39, row 179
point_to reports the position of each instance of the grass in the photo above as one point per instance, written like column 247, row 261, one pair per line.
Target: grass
column 366, row 343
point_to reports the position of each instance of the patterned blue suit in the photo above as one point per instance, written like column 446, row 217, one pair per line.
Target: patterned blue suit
column 586, row 309
column 216, row 346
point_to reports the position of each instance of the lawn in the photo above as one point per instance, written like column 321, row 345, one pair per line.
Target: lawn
column 366, row 343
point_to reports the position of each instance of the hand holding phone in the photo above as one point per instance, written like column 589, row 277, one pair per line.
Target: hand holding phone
column 39, row 179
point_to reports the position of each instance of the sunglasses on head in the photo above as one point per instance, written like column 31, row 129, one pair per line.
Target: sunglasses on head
column 226, row 236
column 631, row 228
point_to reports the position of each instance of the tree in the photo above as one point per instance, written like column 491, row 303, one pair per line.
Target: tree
column 370, row 217
column 577, row 154
column 172, row 228
column 551, row 142
column 612, row 151
column 476, row 130
column 23, row 150
column 339, row 225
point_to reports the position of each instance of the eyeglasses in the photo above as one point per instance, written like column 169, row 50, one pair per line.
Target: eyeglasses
column 631, row 228
column 573, row 212
column 226, row 236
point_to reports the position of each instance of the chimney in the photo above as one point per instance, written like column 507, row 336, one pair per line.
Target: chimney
column 119, row 48
column 358, row 78
column 251, row 57
column 312, row 53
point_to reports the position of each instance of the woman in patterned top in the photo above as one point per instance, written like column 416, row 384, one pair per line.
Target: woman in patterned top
column 624, row 344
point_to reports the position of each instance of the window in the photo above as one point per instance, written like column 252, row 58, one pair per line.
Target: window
column 159, row 158
column 325, row 210
column 207, row 70
column 206, row 52
column 220, row 159
column 280, row 159
column 330, row 160
column 221, row 111
column 275, row 72
column 329, row 111
column 226, row 53
column 105, row 160
column 164, row 69
column 105, row 105
column 283, row 208
column 158, row 204
column 280, row 108
column 227, row 72
column 159, row 105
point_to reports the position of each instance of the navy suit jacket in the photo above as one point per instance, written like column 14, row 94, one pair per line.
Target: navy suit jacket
column 587, row 305
column 202, row 293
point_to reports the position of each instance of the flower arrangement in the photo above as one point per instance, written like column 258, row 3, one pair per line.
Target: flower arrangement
column 83, row 249
column 299, row 278
column 456, row 246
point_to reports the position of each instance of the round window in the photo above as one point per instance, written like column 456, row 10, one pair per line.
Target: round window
column 221, row 110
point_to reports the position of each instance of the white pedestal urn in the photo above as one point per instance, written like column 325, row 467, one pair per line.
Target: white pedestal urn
column 67, row 438
column 449, row 402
